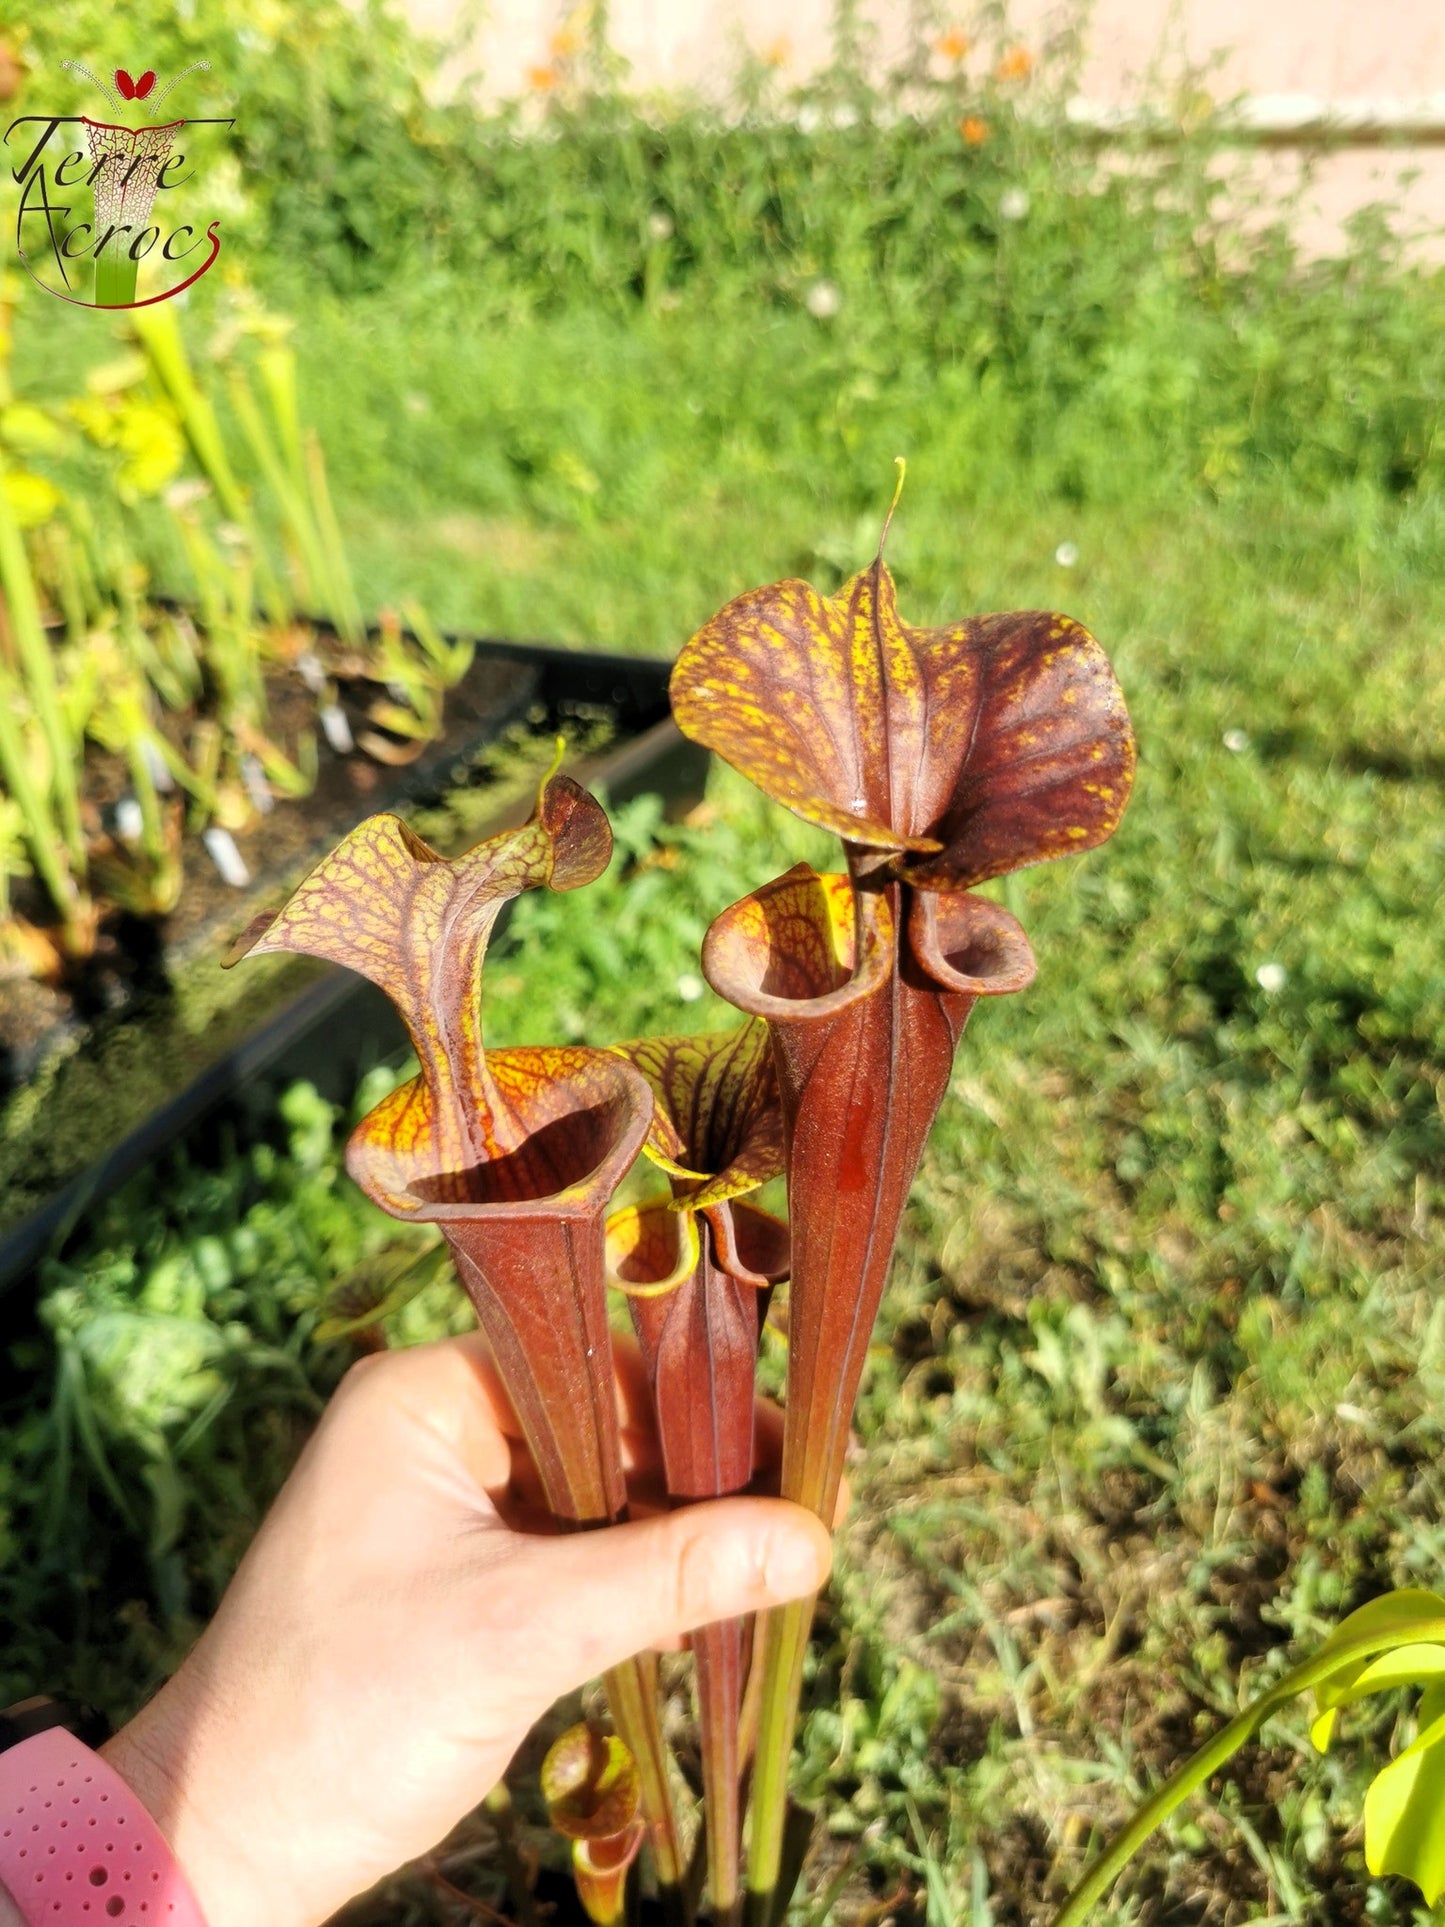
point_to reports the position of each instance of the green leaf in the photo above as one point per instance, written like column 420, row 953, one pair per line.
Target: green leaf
column 1432, row 1705
column 1405, row 1815
column 1403, row 1666
column 375, row 1290
column 1394, row 1611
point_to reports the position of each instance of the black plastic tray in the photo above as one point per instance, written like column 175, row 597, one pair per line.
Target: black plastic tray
column 339, row 1024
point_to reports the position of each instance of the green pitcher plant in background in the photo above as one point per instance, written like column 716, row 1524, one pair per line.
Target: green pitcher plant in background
column 942, row 758
column 593, row 1795
column 697, row 1266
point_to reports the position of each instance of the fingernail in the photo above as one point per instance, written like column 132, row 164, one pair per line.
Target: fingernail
column 792, row 1566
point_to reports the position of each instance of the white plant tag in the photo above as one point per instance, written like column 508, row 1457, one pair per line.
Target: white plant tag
column 257, row 788
column 336, row 728
column 129, row 822
column 157, row 768
column 221, row 848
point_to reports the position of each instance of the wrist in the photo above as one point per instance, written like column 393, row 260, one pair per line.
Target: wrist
column 164, row 1757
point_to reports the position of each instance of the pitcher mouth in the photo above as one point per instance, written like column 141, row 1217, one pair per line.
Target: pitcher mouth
column 969, row 943
column 577, row 1126
column 559, row 1157
column 799, row 949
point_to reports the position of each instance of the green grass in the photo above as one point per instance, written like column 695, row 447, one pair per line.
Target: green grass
column 1157, row 1394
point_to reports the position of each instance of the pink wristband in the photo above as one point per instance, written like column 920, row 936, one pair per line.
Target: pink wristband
column 77, row 1846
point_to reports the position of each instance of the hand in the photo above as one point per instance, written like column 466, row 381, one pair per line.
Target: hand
column 391, row 1637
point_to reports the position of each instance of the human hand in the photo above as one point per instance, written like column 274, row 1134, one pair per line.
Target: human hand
column 391, row 1636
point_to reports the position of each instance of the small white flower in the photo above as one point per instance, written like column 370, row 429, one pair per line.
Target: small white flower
column 231, row 535
column 180, row 495
column 823, row 301
column 690, row 987
column 1235, row 740
column 417, row 403
column 1271, row 977
column 659, row 224
column 1013, row 203
column 1066, row 554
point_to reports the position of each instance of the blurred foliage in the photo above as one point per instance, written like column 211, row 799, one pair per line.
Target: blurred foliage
column 943, row 216
column 142, row 463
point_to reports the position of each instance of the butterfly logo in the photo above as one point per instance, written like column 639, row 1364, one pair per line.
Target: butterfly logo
column 122, row 87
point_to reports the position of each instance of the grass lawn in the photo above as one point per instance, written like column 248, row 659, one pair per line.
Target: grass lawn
column 1158, row 1393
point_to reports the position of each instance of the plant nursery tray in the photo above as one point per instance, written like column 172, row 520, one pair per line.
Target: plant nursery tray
column 102, row 1079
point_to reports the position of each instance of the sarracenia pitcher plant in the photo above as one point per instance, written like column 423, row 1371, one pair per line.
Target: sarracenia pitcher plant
column 697, row 1264
column 942, row 758
column 515, row 1154
column 593, row 1795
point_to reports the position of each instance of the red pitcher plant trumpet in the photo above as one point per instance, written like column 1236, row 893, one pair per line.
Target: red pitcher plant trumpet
column 514, row 1153
column 697, row 1264
column 943, row 758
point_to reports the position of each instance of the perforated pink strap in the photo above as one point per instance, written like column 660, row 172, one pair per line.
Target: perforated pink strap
column 77, row 1846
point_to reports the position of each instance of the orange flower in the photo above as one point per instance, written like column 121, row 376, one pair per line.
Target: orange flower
column 1017, row 64
column 953, row 45
column 564, row 43
column 12, row 71
column 543, row 79
column 974, row 130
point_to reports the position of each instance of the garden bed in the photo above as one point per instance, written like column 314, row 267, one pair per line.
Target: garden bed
column 106, row 1071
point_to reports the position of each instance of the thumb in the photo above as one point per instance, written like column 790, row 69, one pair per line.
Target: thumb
column 602, row 1596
